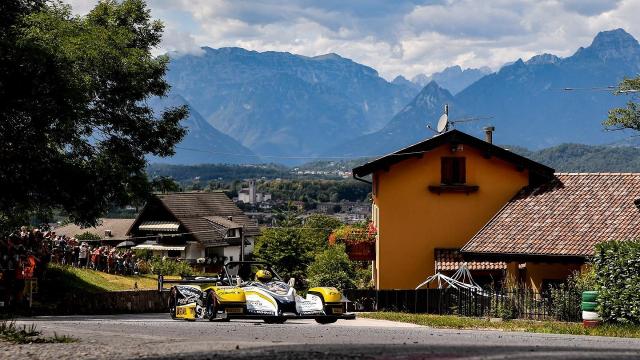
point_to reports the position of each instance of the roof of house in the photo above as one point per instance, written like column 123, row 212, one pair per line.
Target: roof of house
column 565, row 217
column 455, row 137
column 204, row 215
column 118, row 227
column 451, row 260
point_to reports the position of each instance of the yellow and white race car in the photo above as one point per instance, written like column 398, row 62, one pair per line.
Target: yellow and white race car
column 251, row 290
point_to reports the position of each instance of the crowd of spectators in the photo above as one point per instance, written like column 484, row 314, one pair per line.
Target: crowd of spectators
column 25, row 254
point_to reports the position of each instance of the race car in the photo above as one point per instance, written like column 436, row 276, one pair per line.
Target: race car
column 251, row 290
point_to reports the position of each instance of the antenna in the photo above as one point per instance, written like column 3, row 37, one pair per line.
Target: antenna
column 443, row 122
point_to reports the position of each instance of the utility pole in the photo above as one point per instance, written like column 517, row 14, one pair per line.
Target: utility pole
column 242, row 243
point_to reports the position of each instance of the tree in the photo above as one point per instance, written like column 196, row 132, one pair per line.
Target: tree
column 332, row 267
column 627, row 117
column 316, row 231
column 74, row 123
column 285, row 248
column 164, row 184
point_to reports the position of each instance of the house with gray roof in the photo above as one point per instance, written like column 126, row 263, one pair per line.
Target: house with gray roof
column 194, row 225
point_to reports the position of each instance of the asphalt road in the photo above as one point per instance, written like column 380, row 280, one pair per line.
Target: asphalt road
column 157, row 336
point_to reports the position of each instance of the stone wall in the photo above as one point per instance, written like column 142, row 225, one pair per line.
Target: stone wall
column 113, row 302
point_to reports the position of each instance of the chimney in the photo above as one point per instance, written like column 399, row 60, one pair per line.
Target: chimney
column 488, row 133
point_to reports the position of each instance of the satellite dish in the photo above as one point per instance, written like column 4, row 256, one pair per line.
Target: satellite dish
column 443, row 123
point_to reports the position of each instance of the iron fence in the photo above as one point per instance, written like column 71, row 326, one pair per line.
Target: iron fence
column 509, row 304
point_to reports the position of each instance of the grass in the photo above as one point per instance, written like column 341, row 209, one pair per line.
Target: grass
column 546, row 327
column 29, row 335
column 67, row 277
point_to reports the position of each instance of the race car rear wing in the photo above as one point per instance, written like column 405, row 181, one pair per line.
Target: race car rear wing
column 187, row 280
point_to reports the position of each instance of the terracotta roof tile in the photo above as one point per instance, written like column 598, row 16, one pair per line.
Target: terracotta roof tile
column 451, row 259
column 567, row 216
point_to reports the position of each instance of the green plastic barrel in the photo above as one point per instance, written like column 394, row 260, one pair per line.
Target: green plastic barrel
column 589, row 296
column 589, row 305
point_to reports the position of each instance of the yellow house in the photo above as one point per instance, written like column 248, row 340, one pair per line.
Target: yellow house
column 455, row 198
column 436, row 195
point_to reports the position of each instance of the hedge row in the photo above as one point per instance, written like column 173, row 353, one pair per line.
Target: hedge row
column 617, row 272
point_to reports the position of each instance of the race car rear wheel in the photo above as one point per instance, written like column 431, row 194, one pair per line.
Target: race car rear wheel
column 172, row 303
column 326, row 320
column 275, row 321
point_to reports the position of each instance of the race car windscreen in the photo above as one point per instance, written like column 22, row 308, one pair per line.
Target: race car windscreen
column 247, row 271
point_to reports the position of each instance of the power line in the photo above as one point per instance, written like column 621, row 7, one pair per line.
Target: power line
column 601, row 88
column 301, row 157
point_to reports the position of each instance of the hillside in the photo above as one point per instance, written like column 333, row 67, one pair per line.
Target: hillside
column 586, row 158
column 563, row 158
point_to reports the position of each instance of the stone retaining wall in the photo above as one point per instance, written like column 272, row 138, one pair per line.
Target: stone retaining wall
column 113, row 302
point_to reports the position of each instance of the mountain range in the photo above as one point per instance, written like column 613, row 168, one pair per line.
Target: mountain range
column 287, row 108
column 281, row 104
column 452, row 78
column 526, row 101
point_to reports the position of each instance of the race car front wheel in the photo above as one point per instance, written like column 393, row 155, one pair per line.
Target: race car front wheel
column 326, row 320
column 212, row 306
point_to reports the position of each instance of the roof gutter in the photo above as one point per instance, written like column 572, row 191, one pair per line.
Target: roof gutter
column 361, row 179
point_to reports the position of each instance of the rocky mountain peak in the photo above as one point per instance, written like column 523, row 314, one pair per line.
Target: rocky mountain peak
column 543, row 59
column 612, row 44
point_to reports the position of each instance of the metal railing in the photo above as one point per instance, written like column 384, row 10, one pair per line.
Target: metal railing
column 513, row 303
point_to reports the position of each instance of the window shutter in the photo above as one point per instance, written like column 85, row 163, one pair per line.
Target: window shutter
column 446, row 175
column 462, row 171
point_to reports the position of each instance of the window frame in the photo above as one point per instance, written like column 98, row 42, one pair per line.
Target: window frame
column 453, row 170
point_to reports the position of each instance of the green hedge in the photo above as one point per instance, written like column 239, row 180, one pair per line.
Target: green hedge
column 617, row 271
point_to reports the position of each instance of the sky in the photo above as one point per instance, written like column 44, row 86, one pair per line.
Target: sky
column 395, row 37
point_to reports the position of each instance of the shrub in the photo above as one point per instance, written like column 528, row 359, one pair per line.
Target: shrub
column 87, row 236
column 332, row 267
column 144, row 254
column 170, row 267
column 565, row 299
column 617, row 268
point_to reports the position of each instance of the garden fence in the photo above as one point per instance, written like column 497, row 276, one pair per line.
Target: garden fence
column 509, row 304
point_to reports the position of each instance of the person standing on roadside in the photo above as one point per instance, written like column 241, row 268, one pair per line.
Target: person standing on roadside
column 82, row 255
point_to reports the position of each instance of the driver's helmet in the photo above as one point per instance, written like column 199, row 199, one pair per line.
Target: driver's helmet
column 263, row 275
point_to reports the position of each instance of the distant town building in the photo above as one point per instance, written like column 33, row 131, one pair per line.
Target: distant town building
column 250, row 195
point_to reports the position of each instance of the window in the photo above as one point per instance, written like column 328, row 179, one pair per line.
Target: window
column 174, row 253
column 453, row 171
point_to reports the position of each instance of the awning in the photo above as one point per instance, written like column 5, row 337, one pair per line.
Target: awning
column 162, row 226
column 158, row 247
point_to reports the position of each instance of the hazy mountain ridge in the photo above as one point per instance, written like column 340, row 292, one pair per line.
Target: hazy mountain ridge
column 283, row 104
column 405, row 128
column 452, row 78
column 203, row 143
column 527, row 101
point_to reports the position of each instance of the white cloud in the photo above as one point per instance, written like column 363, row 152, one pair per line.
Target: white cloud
column 394, row 37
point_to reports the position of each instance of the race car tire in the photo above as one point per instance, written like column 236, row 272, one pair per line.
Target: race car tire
column 327, row 320
column 211, row 309
column 172, row 303
column 275, row 321
column 211, row 306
